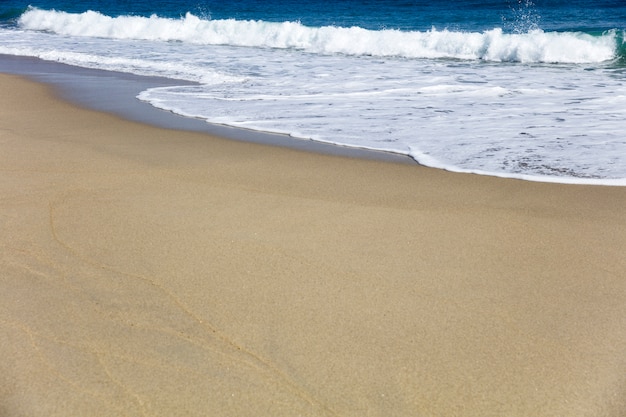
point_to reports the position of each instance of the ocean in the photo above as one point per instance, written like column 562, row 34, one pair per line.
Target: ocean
column 525, row 89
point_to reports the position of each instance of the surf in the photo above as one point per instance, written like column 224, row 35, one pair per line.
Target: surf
column 495, row 45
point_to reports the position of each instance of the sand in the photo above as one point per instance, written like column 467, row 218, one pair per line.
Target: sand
column 153, row 272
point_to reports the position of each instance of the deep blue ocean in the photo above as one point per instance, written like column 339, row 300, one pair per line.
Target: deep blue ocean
column 468, row 15
column 517, row 88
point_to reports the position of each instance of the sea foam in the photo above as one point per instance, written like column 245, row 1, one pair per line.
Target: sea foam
column 494, row 45
column 493, row 105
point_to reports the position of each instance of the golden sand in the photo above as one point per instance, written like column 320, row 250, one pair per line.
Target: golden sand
column 151, row 272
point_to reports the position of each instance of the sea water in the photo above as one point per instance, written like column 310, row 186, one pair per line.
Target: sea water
column 515, row 88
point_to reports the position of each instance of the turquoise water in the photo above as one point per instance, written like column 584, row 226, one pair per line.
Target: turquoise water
column 516, row 88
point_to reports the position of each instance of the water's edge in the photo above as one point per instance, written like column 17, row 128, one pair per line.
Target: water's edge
column 84, row 87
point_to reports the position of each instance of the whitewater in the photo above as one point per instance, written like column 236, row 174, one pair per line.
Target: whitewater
column 525, row 103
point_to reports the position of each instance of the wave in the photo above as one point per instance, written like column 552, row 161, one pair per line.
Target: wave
column 535, row 46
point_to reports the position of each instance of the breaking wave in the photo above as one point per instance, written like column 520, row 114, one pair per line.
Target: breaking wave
column 535, row 46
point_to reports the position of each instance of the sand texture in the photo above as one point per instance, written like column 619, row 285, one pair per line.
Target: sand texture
column 153, row 272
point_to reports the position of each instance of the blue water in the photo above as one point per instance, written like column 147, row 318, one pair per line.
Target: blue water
column 516, row 88
column 467, row 15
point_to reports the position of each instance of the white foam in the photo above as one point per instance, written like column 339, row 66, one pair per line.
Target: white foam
column 493, row 45
column 432, row 162
column 535, row 123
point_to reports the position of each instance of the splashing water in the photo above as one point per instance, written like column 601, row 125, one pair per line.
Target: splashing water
column 524, row 17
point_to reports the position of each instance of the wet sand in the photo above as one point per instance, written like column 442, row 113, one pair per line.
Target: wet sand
column 156, row 272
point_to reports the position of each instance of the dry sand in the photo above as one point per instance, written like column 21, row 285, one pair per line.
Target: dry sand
column 150, row 272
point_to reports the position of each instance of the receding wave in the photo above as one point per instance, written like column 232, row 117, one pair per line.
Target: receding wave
column 535, row 46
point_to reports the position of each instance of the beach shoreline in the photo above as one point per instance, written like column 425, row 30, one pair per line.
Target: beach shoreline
column 152, row 271
column 116, row 93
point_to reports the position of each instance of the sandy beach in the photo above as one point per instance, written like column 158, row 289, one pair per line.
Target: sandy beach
column 155, row 272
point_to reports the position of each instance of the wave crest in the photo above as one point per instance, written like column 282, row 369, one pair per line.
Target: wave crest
column 535, row 46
